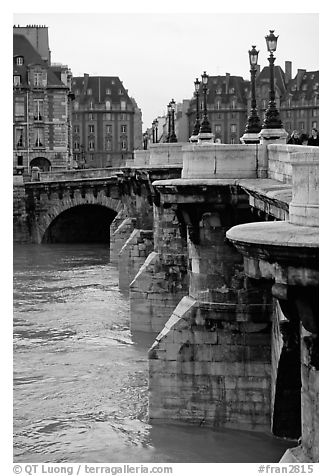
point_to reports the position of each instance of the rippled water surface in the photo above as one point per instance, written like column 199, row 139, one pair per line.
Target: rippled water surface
column 80, row 376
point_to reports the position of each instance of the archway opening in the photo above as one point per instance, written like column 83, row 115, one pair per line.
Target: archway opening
column 43, row 164
column 81, row 224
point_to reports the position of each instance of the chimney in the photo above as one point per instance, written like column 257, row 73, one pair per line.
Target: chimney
column 227, row 82
column 299, row 76
column 85, row 82
column 288, row 71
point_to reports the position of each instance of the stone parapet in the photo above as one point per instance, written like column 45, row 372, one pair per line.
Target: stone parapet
column 222, row 161
column 304, row 207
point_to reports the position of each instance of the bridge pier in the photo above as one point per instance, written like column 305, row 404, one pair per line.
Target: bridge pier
column 211, row 364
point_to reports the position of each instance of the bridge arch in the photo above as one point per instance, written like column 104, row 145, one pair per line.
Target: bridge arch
column 73, row 214
column 42, row 163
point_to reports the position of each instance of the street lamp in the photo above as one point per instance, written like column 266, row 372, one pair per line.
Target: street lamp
column 145, row 140
column 205, row 127
column 197, row 124
column 169, row 114
column 172, row 137
column 253, row 125
column 155, row 131
column 272, row 118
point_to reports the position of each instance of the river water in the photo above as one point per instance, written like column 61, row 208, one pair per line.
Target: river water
column 80, row 376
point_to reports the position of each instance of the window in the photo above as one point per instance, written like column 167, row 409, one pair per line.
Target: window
column 314, row 125
column 218, row 105
column 231, row 90
column 91, row 145
column 38, row 138
column 123, row 129
column 38, row 106
column 89, row 92
column 91, row 117
column 263, row 103
column 232, row 140
column 77, row 92
column 76, row 105
column 233, row 103
column 76, row 145
column 91, row 105
column 301, row 125
column 37, row 79
column 123, row 105
column 76, row 129
column 218, row 91
column 120, row 92
column 19, row 108
column 218, row 128
column 302, row 112
column 108, row 116
column 19, row 60
column 108, row 91
column 20, row 160
column 91, row 128
column 108, row 129
column 314, row 112
column 233, row 128
column 17, row 81
column 304, row 87
column 108, row 105
column 123, row 117
column 124, row 145
column 108, row 144
column 19, row 137
column 288, row 113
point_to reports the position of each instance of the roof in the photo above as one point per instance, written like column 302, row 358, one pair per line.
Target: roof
column 304, row 85
column 98, row 86
column 22, row 47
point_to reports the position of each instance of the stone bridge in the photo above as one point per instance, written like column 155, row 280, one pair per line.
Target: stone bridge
column 81, row 205
column 217, row 246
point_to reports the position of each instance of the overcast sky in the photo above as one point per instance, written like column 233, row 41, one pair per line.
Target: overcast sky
column 159, row 55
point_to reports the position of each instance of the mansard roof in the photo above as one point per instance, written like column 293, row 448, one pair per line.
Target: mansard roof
column 279, row 77
column 305, row 84
column 98, row 86
column 23, row 47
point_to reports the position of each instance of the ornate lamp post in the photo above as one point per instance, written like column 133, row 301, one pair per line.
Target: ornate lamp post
column 156, row 130
column 205, row 132
column 197, row 124
column 169, row 115
column 205, row 126
column 172, row 137
column 253, row 125
column 272, row 118
column 145, row 141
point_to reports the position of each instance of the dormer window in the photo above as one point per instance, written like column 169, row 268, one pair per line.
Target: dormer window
column 108, row 105
column 17, row 81
column 304, row 87
column 37, row 79
column 89, row 92
column 231, row 90
column 120, row 92
column 108, row 92
column 123, row 105
column 19, row 60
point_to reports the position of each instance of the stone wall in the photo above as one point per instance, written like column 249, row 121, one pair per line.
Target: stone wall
column 208, row 371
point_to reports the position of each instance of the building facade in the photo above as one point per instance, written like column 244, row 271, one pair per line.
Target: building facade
column 41, row 105
column 229, row 102
column 107, row 123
